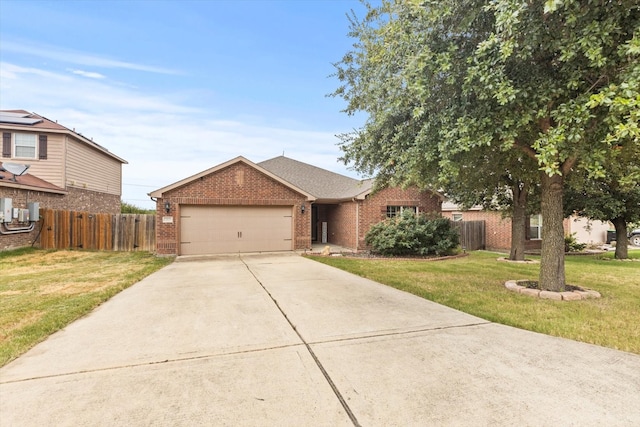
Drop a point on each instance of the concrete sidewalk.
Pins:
(281, 340)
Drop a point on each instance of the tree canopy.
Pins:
(614, 197)
(447, 81)
(133, 209)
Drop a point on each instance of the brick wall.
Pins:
(12, 241)
(497, 228)
(236, 185)
(374, 208)
(76, 200)
(90, 201)
(341, 224)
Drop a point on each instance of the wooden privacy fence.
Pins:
(84, 230)
(472, 234)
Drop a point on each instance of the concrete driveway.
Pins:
(280, 340)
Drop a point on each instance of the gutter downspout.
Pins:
(357, 222)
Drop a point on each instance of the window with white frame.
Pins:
(24, 145)
(535, 227)
(456, 217)
(394, 211)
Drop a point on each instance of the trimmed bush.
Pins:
(411, 234)
(572, 245)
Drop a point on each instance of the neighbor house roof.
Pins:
(323, 184)
(23, 120)
(27, 182)
(448, 205)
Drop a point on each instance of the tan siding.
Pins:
(51, 169)
(92, 170)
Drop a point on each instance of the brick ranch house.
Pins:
(498, 228)
(67, 171)
(280, 204)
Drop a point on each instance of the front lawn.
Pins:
(43, 291)
(475, 285)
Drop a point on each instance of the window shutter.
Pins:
(6, 144)
(42, 147)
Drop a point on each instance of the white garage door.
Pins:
(227, 229)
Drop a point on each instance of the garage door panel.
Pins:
(206, 230)
(225, 229)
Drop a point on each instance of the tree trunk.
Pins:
(518, 222)
(552, 277)
(622, 242)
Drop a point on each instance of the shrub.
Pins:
(411, 234)
(572, 245)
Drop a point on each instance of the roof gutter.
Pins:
(4, 183)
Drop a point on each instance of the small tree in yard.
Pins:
(503, 182)
(411, 234)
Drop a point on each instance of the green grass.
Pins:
(43, 291)
(475, 285)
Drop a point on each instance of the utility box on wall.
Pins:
(23, 215)
(34, 211)
(6, 211)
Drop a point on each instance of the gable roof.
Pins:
(23, 120)
(323, 184)
(239, 159)
(319, 185)
(27, 182)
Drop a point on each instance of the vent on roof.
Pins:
(18, 118)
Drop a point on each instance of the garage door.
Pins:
(226, 229)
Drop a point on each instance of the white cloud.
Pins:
(63, 90)
(88, 74)
(14, 72)
(161, 137)
(78, 58)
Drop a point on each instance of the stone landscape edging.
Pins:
(354, 255)
(576, 295)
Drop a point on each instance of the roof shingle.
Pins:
(323, 184)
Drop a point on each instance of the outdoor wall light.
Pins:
(302, 208)
(167, 206)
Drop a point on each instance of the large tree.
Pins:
(441, 79)
(614, 197)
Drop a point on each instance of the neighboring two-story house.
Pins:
(66, 171)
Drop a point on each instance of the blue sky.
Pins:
(177, 87)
